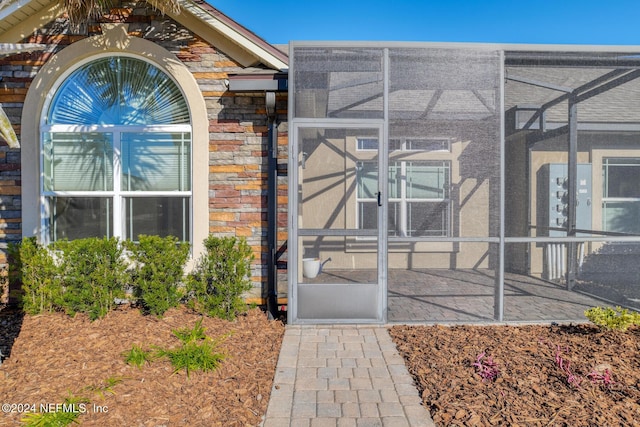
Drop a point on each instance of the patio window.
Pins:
(621, 195)
(116, 153)
(419, 203)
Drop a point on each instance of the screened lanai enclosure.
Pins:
(462, 183)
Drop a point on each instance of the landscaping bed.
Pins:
(55, 356)
(574, 375)
(535, 375)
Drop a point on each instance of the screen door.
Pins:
(337, 221)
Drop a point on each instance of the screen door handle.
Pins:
(379, 198)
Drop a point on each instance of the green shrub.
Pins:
(40, 276)
(221, 276)
(608, 318)
(94, 273)
(158, 271)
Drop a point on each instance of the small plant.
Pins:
(565, 367)
(197, 352)
(158, 272)
(106, 387)
(137, 356)
(187, 335)
(487, 368)
(220, 278)
(613, 319)
(63, 415)
(194, 356)
(601, 374)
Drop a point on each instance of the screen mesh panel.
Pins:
(426, 193)
(593, 99)
(338, 82)
(443, 106)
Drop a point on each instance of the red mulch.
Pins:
(546, 375)
(55, 355)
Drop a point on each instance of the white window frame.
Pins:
(605, 180)
(405, 145)
(44, 87)
(117, 195)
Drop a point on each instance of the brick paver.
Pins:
(343, 376)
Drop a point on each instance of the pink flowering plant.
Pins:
(486, 367)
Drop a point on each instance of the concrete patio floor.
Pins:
(467, 296)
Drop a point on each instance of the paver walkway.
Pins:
(343, 376)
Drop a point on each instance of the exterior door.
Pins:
(336, 264)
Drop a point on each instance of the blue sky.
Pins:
(493, 21)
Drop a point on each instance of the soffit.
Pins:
(20, 18)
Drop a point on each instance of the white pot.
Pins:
(310, 267)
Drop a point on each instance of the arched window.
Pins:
(116, 153)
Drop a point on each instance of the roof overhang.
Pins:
(20, 18)
(227, 35)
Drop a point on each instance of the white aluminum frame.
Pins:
(501, 239)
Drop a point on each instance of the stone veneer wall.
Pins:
(237, 133)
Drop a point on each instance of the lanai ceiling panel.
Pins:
(340, 82)
(439, 84)
(550, 76)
